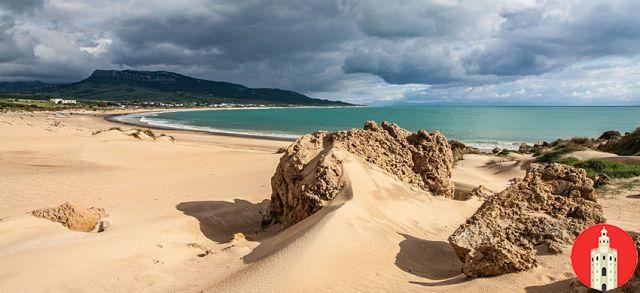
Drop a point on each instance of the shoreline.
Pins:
(113, 119)
(483, 146)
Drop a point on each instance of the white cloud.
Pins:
(101, 47)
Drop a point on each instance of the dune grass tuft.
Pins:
(554, 156)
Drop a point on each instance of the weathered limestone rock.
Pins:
(460, 149)
(73, 216)
(310, 170)
(627, 145)
(610, 135)
(548, 208)
(601, 180)
(525, 149)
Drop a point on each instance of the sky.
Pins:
(378, 52)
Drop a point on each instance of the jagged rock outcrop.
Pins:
(460, 149)
(525, 149)
(548, 208)
(610, 135)
(310, 170)
(627, 145)
(74, 216)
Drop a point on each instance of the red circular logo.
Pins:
(604, 257)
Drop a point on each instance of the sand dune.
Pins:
(382, 235)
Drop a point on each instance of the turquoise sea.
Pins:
(484, 127)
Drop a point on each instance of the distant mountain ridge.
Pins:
(164, 86)
(11, 86)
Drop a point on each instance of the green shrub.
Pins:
(612, 169)
(554, 156)
(505, 152)
(568, 161)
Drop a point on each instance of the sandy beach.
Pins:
(185, 216)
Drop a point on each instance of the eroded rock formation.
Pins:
(73, 216)
(460, 149)
(310, 170)
(546, 209)
(627, 145)
(525, 149)
(610, 135)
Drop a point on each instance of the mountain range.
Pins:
(158, 86)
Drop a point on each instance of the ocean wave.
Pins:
(172, 124)
(490, 145)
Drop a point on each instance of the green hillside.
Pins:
(162, 86)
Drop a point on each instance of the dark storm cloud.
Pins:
(429, 66)
(288, 43)
(259, 30)
(8, 47)
(419, 18)
(21, 5)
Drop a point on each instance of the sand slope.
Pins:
(149, 189)
(382, 235)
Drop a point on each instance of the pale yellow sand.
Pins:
(175, 207)
(591, 154)
(477, 170)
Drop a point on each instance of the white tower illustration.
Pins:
(604, 264)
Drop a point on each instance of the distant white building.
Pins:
(62, 101)
(604, 264)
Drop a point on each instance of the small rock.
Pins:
(496, 150)
(601, 180)
(73, 216)
(525, 149)
(610, 135)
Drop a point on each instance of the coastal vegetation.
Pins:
(627, 145)
(599, 166)
(559, 152)
(555, 155)
(28, 105)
